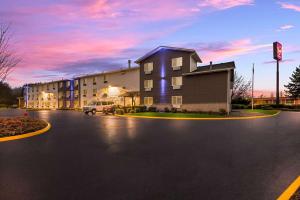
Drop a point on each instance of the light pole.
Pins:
(252, 87)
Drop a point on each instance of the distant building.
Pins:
(170, 77)
(272, 100)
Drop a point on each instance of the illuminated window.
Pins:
(148, 67)
(176, 101)
(148, 85)
(177, 82)
(148, 101)
(176, 63)
(84, 103)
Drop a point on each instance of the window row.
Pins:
(176, 65)
(176, 83)
(176, 101)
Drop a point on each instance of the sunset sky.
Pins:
(63, 38)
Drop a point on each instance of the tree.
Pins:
(293, 87)
(241, 90)
(8, 58)
(5, 94)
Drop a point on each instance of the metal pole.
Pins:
(277, 84)
(253, 87)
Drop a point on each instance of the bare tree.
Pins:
(8, 58)
(241, 87)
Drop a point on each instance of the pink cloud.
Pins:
(290, 6)
(222, 5)
(221, 51)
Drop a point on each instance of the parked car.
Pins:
(99, 106)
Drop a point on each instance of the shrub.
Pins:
(223, 111)
(152, 109)
(184, 110)
(137, 110)
(120, 111)
(132, 111)
(167, 109)
(174, 110)
(239, 106)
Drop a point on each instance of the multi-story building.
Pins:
(169, 77)
(41, 95)
(114, 86)
(110, 86)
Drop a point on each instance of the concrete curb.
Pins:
(204, 119)
(26, 135)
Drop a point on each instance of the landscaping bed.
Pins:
(20, 125)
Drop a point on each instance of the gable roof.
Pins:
(147, 55)
(212, 68)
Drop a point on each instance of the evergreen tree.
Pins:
(293, 87)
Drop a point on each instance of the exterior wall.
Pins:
(201, 92)
(42, 96)
(121, 81)
(162, 74)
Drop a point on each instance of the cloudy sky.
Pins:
(62, 38)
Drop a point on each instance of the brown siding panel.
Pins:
(205, 88)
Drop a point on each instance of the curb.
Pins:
(203, 119)
(26, 135)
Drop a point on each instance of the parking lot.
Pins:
(108, 157)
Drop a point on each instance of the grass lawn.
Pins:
(178, 115)
(265, 112)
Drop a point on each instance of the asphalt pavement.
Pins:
(114, 158)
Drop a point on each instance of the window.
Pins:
(84, 103)
(148, 85)
(84, 93)
(176, 101)
(148, 101)
(94, 81)
(53, 86)
(177, 82)
(148, 67)
(177, 63)
(104, 79)
(84, 82)
(94, 92)
(68, 83)
(47, 86)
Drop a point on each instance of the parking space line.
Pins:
(288, 193)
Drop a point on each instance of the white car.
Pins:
(98, 106)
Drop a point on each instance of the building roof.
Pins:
(147, 55)
(109, 72)
(212, 68)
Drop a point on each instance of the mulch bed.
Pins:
(19, 125)
(296, 196)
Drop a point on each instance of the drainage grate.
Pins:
(296, 195)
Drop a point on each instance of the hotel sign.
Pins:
(277, 51)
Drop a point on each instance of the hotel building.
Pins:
(167, 77)
(170, 77)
